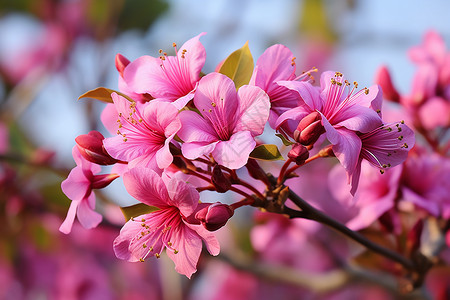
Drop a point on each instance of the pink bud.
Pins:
(214, 216)
(220, 181)
(298, 153)
(309, 129)
(91, 147)
(121, 63)
(102, 181)
(383, 78)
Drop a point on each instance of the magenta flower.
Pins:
(147, 235)
(425, 183)
(227, 123)
(168, 78)
(376, 194)
(275, 64)
(78, 187)
(144, 133)
(384, 147)
(344, 112)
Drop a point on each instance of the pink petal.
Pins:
(195, 129)
(276, 63)
(86, 215)
(183, 195)
(76, 186)
(296, 114)
(66, 226)
(194, 150)
(163, 156)
(189, 246)
(309, 93)
(435, 112)
(146, 186)
(346, 145)
(254, 109)
(195, 57)
(357, 118)
(163, 116)
(211, 242)
(109, 118)
(217, 101)
(411, 196)
(121, 244)
(235, 152)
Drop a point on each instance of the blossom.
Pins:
(78, 187)
(384, 147)
(344, 112)
(425, 183)
(275, 64)
(147, 235)
(168, 78)
(144, 132)
(227, 123)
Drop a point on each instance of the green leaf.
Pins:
(285, 141)
(103, 94)
(266, 152)
(239, 66)
(137, 210)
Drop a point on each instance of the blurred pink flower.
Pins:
(168, 78)
(425, 183)
(144, 133)
(4, 139)
(78, 187)
(227, 123)
(375, 196)
(147, 235)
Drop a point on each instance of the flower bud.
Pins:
(102, 181)
(298, 153)
(214, 216)
(121, 63)
(255, 170)
(91, 148)
(309, 129)
(383, 78)
(220, 181)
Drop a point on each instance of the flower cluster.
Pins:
(169, 120)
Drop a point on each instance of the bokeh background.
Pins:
(52, 51)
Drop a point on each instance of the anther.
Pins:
(381, 171)
(366, 91)
(141, 260)
(400, 138)
(157, 255)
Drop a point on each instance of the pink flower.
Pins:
(375, 196)
(227, 123)
(147, 235)
(425, 183)
(78, 187)
(168, 78)
(384, 147)
(275, 64)
(144, 132)
(344, 113)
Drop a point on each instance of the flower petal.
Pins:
(254, 110)
(146, 186)
(195, 129)
(309, 93)
(235, 152)
(189, 246)
(86, 214)
(183, 195)
(194, 150)
(66, 226)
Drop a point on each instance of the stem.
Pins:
(250, 187)
(289, 171)
(283, 171)
(316, 215)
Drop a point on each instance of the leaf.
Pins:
(285, 141)
(266, 152)
(103, 94)
(137, 210)
(239, 66)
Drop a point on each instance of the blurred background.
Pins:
(52, 51)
